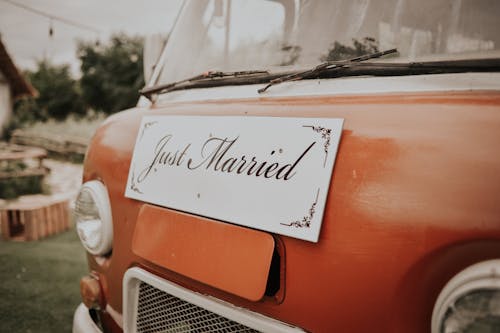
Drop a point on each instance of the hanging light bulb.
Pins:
(51, 29)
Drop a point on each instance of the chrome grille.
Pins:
(159, 311)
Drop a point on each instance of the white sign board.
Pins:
(265, 173)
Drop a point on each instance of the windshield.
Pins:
(279, 35)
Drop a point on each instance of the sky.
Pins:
(26, 35)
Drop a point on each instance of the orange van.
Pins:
(302, 166)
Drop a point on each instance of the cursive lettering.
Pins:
(216, 154)
(163, 157)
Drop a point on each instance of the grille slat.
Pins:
(159, 311)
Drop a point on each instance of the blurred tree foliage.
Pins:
(111, 74)
(340, 51)
(58, 97)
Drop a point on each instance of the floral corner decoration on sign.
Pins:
(305, 222)
(133, 185)
(325, 134)
(146, 126)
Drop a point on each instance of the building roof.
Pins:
(19, 85)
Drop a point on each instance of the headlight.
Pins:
(470, 301)
(94, 224)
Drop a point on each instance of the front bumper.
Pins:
(82, 322)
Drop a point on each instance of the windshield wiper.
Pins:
(148, 92)
(352, 67)
(255, 76)
(325, 66)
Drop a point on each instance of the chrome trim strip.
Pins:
(134, 276)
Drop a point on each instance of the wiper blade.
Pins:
(325, 66)
(352, 67)
(148, 92)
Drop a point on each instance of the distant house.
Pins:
(12, 85)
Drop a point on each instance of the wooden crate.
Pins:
(27, 221)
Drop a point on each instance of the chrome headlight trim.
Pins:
(102, 227)
(481, 276)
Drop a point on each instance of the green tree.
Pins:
(111, 74)
(58, 95)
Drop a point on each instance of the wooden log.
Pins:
(35, 225)
(55, 218)
(64, 218)
(53, 212)
(59, 221)
(68, 217)
(64, 222)
(22, 225)
(50, 224)
(50, 220)
(13, 221)
(28, 225)
(5, 224)
(43, 222)
(16, 227)
(58, 217)
(40, 216)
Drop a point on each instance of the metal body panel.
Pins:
(207, 251)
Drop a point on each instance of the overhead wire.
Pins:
(53, 17)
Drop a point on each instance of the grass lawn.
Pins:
(39, 283)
